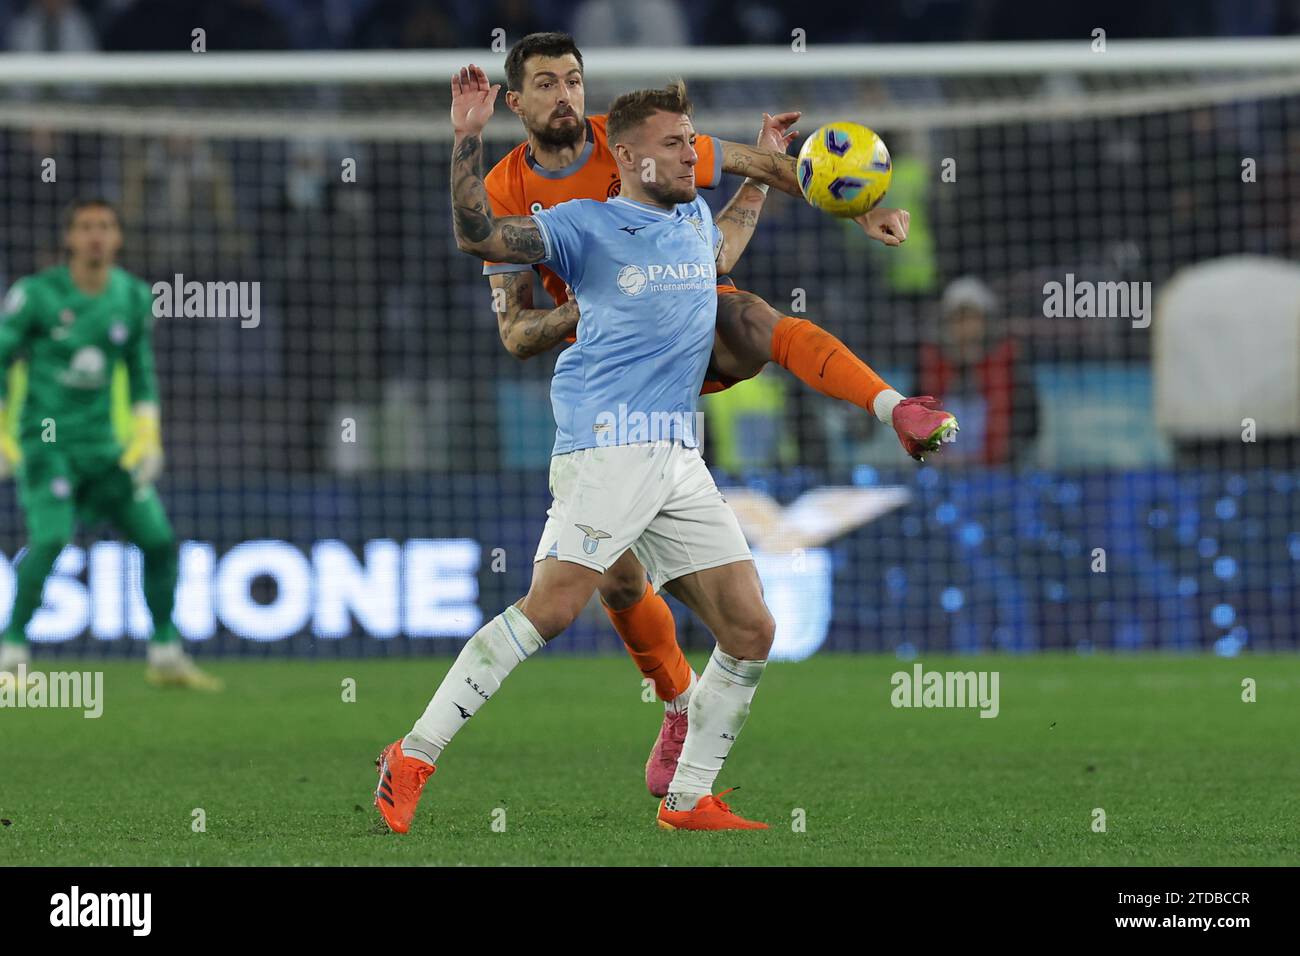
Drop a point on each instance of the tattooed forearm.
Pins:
(472, 224)
(779, 170)
(745, 218)
(737, 222)
(538, 331)
(470, 150)
(507, 239)
(526, 331)
(471, 214)
(524, 239)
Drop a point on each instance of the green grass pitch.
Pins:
(1186, 772)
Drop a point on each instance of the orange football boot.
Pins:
(401, 781)
(711, 813)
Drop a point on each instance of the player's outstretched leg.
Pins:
(750, 333)
(558, 593)
(139, 514)
(729, 600)
(645, 623)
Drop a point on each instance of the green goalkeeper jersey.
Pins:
(73, 344)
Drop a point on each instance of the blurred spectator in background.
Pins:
(317, 24)
(606, 23)
(517, 18)
(407, 24)
(912, 269)
(244, 25)
(747, 427)
(178, 204)
(52, 26)
(151, 26)
(33, 210)
(977, 372)
(741, 22)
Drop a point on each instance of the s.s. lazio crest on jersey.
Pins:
(644, 279)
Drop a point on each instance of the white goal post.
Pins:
(898, 60)
(1039, 83)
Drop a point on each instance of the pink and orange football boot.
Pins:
(661, 766)
(923, 426)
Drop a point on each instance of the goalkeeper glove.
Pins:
(11, 455)
(143, 457)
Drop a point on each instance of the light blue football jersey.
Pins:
(644, 279)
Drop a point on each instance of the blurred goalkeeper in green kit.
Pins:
(74, 325)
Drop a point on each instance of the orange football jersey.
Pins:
(517, 186)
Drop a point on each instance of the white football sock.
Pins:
(13, 653)
(719, 705)
(883, 405)
(165, 654)
(680, 703)
(500, 644)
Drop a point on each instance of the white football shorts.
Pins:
(657, 499)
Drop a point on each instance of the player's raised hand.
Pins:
(886, 225)
(776, 133)
(472, 100)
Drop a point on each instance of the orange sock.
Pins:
(824, 362)
(651, 637)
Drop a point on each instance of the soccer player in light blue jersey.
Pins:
(626, 470)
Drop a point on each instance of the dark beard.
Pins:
(558, 138)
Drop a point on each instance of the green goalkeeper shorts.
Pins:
(57, 483)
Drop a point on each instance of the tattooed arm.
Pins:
(526, 331)
(737, 222)
(739, 218)
(511, 238)
(508, 239)
(765, 165)
(768, 165)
